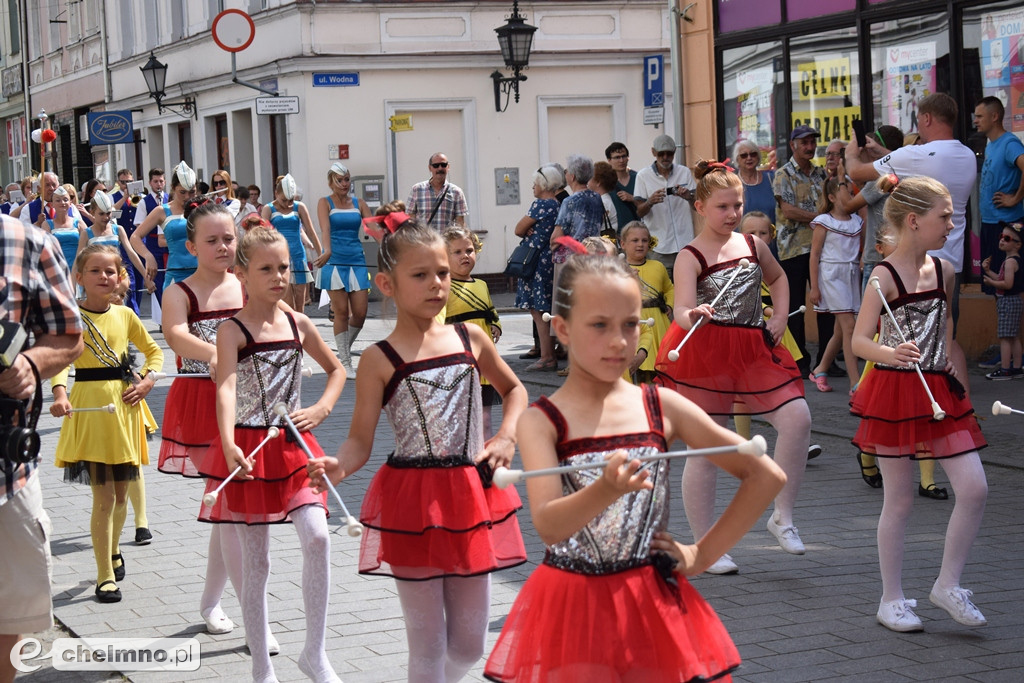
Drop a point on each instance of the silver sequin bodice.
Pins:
(741, 302)
(204, 326)
(923, 320)
(435, 409)
(267, 373)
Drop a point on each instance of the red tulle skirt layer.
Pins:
(279, 485)
(896, 417)
(190, 426)
(631, 625)
(726, 364)
(425, 523)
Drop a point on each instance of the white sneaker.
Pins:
(957, 601)
(897, 615)
(787, 536)
(723, 565)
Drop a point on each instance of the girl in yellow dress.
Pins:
(98, 448)
(655, 286)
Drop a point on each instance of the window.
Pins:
(909, 60)
(15, 24)
(278, 145)
(127, 33)
(185, 143)
(220, 124)
(825, 84)
(752, 86)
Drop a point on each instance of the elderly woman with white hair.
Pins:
(758, 194)
(535, 228)
(343, 273)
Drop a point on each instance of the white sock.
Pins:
(311, 525)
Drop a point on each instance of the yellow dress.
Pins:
(470, 301)
(787, 342)
(101, 437)
(655, 288)
(645, 342)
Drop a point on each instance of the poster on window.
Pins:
(1002, 62)
(909, 77)
(754, 89)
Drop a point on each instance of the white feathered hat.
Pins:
(186, 176)
(102, 202)
(288, 186)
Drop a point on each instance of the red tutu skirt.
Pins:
(190, 426)
(279, 485)
(426, 523)
(896, 417)
(725, 364)
(628, 625)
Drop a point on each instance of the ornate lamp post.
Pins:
(515, 39)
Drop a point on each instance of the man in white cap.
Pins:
(668, 191)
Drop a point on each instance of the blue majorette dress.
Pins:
(268, 373)
(896, 418)
(427, 512)
(731, 358)
(601, 607)
(346, 268)
(180, 262)
(290, 225)
(190, 411)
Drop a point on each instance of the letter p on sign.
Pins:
(654, 81)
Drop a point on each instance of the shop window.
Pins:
(825, 85)
(909, 61)
(752, 86)
(993, 60)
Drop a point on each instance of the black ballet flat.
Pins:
(872, 480)
(108, 596)
(118, 571)
(933, 492)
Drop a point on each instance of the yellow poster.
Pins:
(825, 78)
(832, 124)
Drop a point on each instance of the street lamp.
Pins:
(155, 73)
(515, 39)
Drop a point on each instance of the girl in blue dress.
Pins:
(291, 218)
(343, 274)
(105, 230)
(64, 227)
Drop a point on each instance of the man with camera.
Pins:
(41, 334)
(668, 188)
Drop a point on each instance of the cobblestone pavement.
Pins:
(808, 618)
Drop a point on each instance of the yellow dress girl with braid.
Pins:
(656, 289)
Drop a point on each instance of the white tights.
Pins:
(970, 488)
(311, 526)
(445, 625)
(223, 562)
(792, 423)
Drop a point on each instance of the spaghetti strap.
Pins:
(938, 273)
(900, 288)
(193, 301)
(463, 333)
(699, 256)
(330, 203)
(556, 417)
(295, 329)
(753, 247)
(248, 337)
(390, 352)
(652, 404)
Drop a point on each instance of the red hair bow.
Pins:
(389, 223)
(571, 244)
(723, 164)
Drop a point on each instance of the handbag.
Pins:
(523, 261)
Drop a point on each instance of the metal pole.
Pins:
(394, 164)
(679, 99)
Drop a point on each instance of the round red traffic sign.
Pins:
(233, 30)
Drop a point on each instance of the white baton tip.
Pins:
(307, 371)
(874, 282)
(273, 432)
(937, 412)
(546, 317)
(673, 355)
(647, 321)
(281, 409)
(158, 375)
(503, 477)
(756, 446)
(110, 408)
(353, 526)
(210, 499)
(802, 308)
(744, 263)
(997, 408)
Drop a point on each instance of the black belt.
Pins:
(100, 374)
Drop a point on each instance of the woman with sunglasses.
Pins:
(758, 194)
(223, 191)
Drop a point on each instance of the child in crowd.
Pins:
(469, 300)
(98, 448)
(1008, 283)
(433, 520)
(259, 364)
(193, 310)
(735, 357)
(610, 601)
(656, 288)
(897, 425)
(836, 246)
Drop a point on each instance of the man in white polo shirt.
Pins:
(668, 191)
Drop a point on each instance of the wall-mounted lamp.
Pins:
(515, 39)
(155, 73)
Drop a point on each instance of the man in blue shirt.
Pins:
(1002, 179)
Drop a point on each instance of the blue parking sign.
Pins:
(654, 81)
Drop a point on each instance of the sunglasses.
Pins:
(747, 155)
(218, 183)
(440, 164)
(1007, 238)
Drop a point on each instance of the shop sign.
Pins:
(834, 123)
(825, 78)
(110, 127)
(12, 83)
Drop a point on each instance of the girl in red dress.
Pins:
(610, 601)
(433, 521)
(259, 364)
(897, 425)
